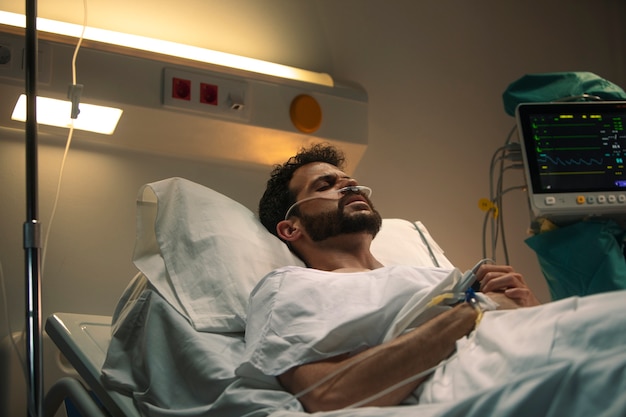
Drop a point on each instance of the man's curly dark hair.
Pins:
(277, 197)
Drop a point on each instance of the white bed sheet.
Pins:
(574, 389)
(163, 363)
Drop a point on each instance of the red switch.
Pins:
(181, 89)
(208, 94)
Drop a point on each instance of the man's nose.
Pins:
(348, 182)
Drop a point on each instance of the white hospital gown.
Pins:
(298, 315)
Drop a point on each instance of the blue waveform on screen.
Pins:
(570, 162)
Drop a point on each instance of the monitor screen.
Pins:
(574, 156)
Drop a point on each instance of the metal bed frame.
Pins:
(83, 339)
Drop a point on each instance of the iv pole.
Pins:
(32, 245)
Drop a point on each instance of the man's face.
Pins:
(330, 213)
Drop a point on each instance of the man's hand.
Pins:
(507, 287)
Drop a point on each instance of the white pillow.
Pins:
(204, 252)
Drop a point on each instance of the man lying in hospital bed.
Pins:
(331, 333)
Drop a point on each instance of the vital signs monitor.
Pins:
(574, 158)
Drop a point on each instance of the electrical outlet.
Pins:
(209, 94)
(205, 92)
(181, 89)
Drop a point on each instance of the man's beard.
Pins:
(334, 223)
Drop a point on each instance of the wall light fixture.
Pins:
(170, 48)
(53, 112)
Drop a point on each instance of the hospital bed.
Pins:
(176, 336)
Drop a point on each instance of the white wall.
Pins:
(89, 259)
(434, 72)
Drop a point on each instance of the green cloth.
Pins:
(581, 259)
(540, 88)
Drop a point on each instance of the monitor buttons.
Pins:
(601, 199)
(581, 199)
(611, 199)
(550, 200)
(621, 198)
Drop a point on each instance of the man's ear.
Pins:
(288, 231)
